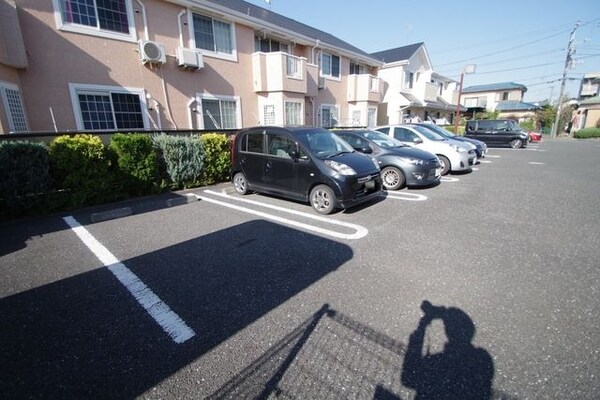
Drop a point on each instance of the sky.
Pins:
(522, 41)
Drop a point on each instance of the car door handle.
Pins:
(268, 165)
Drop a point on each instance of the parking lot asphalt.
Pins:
(282, 302)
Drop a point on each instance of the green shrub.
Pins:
(181, 157)
(528, 125)
(24, 177)
(137, 163)
(587, 133)
(81, 164)
(217, 158)
(461, 129)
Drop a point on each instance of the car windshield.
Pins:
(323, 143)
(428, 133)
(382, 140)
(441, 131)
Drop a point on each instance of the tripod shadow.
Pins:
(460, 371)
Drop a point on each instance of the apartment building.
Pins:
(412, 90)
(76, 65)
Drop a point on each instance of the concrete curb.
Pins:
(130, 210)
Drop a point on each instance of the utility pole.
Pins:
(568, 63)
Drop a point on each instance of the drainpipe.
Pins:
(317, 43)
(180, 28)
(192, 111)
(146, 37)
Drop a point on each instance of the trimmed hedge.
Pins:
(181, 157)
(587, 133)
(137, 163)
(24, 177)
(217, 158)
(82, 165)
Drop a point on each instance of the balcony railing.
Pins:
(364, 87)
(279, 72)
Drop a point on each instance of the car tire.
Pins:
(393, 178)
(240, 183)
(322, 199)
(516, 143)
(445, 164)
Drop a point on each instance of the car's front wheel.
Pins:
(516, 143)
(445, 164)
(322, 199)
(240, 183)
(393, 178)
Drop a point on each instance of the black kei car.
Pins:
(497, 132)
(305, 164)
(400, 164)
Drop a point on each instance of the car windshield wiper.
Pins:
(337, 153)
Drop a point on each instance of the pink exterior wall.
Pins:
(57, 58)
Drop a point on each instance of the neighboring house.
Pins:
(413, 92)
(517, 110)
(175, 64)
(587, 114)
(487, 97)
(590, 86)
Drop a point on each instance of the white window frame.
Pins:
(371, 116)
(330, 107)
(238, 108)
(63, 25)
(409, 83)
(12, 126)
(80, 88)
(300, 112)
(215, 54)
(293, 66)
(328, 74)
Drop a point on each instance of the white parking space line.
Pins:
(485, 161)
(360, 231)
(474, 169)
(492, 156)
(535, 163)
(168, 320)
(406, 196)
(448, 179)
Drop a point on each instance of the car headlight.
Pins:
(459, 149)
(412, 161)
(341, 168)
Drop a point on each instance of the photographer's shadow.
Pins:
(460, 371)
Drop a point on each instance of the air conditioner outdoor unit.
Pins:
(321, 83)
(152, 52)
(189, 58)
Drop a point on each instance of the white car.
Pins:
(453, 155)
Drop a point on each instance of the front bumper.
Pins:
(360, 189)
(422, 175)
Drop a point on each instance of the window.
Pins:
(293, 113)
(330, 65)
(371, 116)
(408, 79)
(220, 113)
(294, 67)
(357, 69)
(13, 106)
(356, 117)
(374, 84)
(269, 114)
(213, 35)
(253, 142)
(108, 18)
(108, 108)
(267, 45)
(505, 96)
(280, 145)
(329, 116)
(471, 102)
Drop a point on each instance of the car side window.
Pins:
(384, 130)
(280, 145)
(253, 142)
(400, 134)
(485, 126)
(354, 141)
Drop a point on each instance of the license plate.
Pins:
(370, 185)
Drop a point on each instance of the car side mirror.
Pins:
(295, 154)
(417, 140)
(366, 150)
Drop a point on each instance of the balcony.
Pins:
(589, 89)
(432, 91)
(280, 72)
(364, 87)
